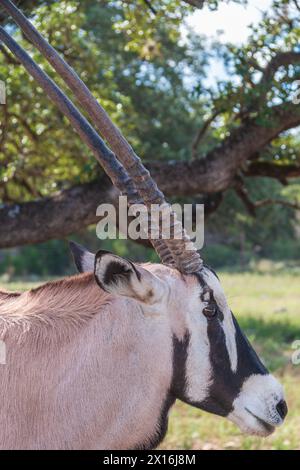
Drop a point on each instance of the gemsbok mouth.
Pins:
(267, 427)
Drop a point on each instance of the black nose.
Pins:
(282, 409)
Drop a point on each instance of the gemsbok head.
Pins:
(130, 338)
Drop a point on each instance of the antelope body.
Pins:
(77, 373)
(89, 368)
(96, 361)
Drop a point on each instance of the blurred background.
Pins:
(208, 94)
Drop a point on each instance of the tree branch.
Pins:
(261, 89)
(22, 181)
(297, 5)
(54, 217)
(10, 59)
(279, 60)
(75, 208)
(29, 132)
(273, 170)
(251, 206)
(151, 8)
(242, 193)
(282, 202)
(216, 171)
(202, 131)
(195, 3)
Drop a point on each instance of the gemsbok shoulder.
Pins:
(96, 360)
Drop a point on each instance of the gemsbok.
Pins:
(96, 360)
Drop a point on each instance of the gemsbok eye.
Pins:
(210, 311)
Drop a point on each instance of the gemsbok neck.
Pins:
(58, 304)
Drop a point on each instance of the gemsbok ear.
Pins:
(83, 259)
(120, 276)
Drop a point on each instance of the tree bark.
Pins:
(54, 217)
(75, 208)
(273, 170)
(216, 171)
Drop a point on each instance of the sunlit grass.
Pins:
(268, 309)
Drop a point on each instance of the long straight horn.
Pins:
(111, 165)
(179, 251)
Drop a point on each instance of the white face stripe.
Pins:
(230, 339)
(199, 373)
(227, 323)
(198, 368)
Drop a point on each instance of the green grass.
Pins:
(268, 309)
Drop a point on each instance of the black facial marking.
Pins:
(220, 314)
(177, 390)
(223, 389)
(207, 296)
(162, 427)
(248, 361)
(210, 311)
(180, 354)
(211, 270)
(225, 383)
